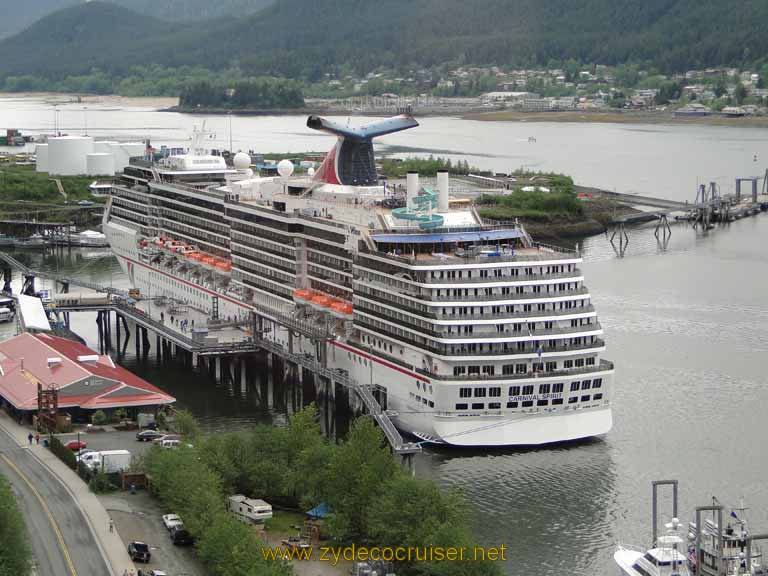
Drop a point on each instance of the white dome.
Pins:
(311, 172)
(285, 168)
(241, 161)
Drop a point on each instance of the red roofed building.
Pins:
(86, 381)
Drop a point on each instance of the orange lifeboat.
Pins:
(302, 294)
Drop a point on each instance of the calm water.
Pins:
(686, 324)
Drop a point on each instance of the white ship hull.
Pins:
(492, 428)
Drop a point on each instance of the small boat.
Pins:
(34, 241)
(667, 556)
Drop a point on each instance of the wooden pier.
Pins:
(243, 337)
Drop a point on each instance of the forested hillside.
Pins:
(303, 39)
(22, 14)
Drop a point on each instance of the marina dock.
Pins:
(203, 343)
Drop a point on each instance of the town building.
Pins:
(85, 381)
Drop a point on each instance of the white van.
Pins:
(170, 443)
(6, 315)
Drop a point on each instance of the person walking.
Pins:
(111, 525)
(30, 438)
(37, 438)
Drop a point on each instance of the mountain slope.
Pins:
(302, 38)
(23, 14)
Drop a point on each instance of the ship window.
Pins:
(573, 400)
(597, 397)
(591, 361)
(575, 386)
(478, 406)
(418, 398)
(585, 398)
(542, 402)
(527, 390)
(480, 392)
(597, 383)
(465, 392)
(424, 401)
(527, 403)
(521, 368)
(507, 369)
(557, 401)
(431, 404)
(494, 392)
(461, 406)
(557, 388)
(544, 389)
(514, 390)
(586, 384)
(511, 404)
(494, 406)
(568, 364)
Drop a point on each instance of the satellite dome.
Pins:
(311, 172)
(241, 161)
(285, 168)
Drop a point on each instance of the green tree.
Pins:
(99, 418)
(186, 424)
(740, 93)
(15, 554)
(359, 469)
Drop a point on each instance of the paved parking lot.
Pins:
(139, 516)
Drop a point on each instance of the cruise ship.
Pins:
(479, 335)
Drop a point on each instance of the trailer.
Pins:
(108, 461)
(249, 510)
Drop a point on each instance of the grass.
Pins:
(282, 523)
(24, 183)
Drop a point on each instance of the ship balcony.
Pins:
(459, 352)
(524, 335)
(537, 253)
(462, 300)
(426, 282)
(600, 367)
(521, 316)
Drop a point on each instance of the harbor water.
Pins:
(686, 323)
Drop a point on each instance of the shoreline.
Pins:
(617, 117)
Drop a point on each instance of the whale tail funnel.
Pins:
(351, 161)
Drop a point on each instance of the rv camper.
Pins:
(249, 510)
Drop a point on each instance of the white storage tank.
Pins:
(67, 155)
(104, 146)
(124, 151)
(100, 164)
(41, 151)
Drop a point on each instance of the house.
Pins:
(84, 380)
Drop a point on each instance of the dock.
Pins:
(205, 343)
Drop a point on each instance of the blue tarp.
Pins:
(319, 511)
(447, 237)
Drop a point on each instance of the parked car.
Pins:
(76, 444)
(83, 452)
(139, 552)
(171, 520)
(157, 573)
(166, 437)
(170, 443)
(181, 537)
(148, 435)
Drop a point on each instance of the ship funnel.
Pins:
(412, 188)
(351, 162)
(443, 187)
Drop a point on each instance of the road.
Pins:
(61, 541)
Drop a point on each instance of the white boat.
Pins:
(480, 336)
(34, 241)
(737, 557)
(667, 556)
